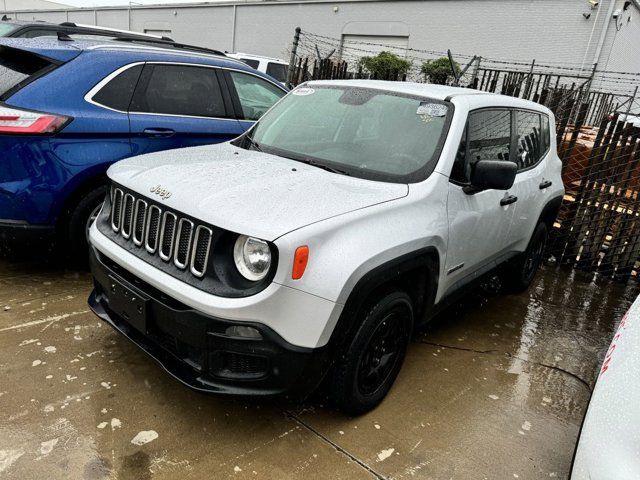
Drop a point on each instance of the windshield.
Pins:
(361, 132)
(6, 28)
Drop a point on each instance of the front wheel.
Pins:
(518, 274)
(366, 371)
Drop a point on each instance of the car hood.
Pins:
(248, 192)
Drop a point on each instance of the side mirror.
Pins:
(493, 174)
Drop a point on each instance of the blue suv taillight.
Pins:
(24, 122)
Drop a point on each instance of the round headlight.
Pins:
(252, 257)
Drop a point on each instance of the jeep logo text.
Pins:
(163, 193)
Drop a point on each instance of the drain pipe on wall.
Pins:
(233, 30)
(593, 30)
(605, 29)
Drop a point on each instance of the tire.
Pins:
(80, 219)
(371, 361)
(518, 274)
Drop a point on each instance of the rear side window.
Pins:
(118, 92)
(17, 68)
(179, 90)
(252, 63)
(277, 71)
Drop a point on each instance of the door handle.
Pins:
(508, 200)
(158, 132)
(545, 184)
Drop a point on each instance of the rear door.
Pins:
(252, 95)
(177, 105)
(479, 222)
(532, 147)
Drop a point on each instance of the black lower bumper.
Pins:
(196, 349)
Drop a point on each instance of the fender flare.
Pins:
(417, 272)
(550, 211)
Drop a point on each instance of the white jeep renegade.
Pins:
(316, 243)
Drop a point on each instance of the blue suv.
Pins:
(70, 108)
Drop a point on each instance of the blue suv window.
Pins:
(179, 90)
(118, 92)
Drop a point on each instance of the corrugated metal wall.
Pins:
(547, 30)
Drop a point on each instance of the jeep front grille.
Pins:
(164, 233)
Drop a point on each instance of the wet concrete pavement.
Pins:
(495, 388)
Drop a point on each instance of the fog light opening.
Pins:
(240, 331)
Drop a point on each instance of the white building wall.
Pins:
(547, 30)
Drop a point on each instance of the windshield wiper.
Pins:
(313, 163)
(253, 143)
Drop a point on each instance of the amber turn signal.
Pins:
(300, 260)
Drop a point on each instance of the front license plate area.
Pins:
(128, 303)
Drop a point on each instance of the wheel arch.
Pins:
(75, 192)
(416, 273)
(550, 212)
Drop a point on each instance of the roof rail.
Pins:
(169, 44)
(113, 31)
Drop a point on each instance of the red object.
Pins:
(23, 122)
(300, 260)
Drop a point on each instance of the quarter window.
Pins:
(255, 94)
(118, 92)
(528, 139)
(546, 140)
(179, 90)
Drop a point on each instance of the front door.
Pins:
(479, 223)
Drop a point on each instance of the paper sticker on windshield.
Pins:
(303, 91)
(431, 109)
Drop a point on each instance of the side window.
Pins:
(179, 90)
(487, 136)
(255, 94)
(251, 62)
(277, 71)
(118, 92)
(528, 139)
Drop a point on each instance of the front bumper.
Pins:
(194, 348)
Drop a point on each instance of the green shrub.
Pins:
(385, 66)
(439, 71)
